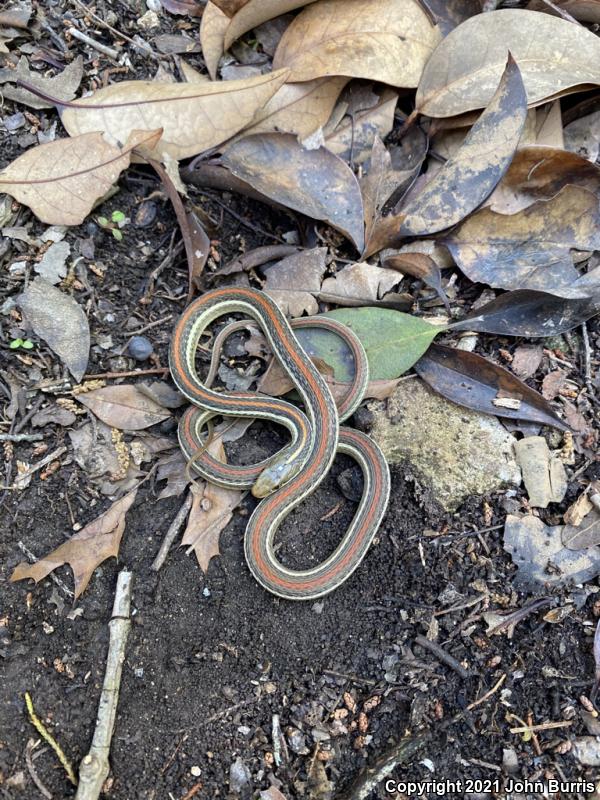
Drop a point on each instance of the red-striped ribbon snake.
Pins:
(290, 476)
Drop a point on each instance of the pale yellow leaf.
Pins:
(255, 12)
(382, 40)
(299, 108)
(194, 117)
(60, 181)
(555, 57)
(212, 35)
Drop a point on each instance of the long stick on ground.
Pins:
(94, 768)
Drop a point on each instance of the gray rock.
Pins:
(140, 348)
(455, 451)
(239, 776)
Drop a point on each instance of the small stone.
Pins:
(14, 122)
(206, 591)
(239, 776)
(153, 5)
(140, 348)
(195, 771)
(148, 21)
(456, 451)
(296, 741)
(145, 214)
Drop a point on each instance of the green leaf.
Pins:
(15, 344)
(394, 341)
(27, 344)
(118, 216)
(102, 221)
(117, 234)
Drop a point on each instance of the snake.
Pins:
(283, 481)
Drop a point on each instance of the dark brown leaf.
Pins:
(472, 381)
(467, 178)
(448, 14)
(526, 312)
(420, 266)
(315, 182)
(531, 249)
(539, 173)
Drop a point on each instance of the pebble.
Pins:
(14, 122)
(239, 776)
(140, 348)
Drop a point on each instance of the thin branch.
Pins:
(94, 767)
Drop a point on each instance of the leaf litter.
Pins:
(505, 198)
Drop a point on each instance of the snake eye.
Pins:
(273, 477)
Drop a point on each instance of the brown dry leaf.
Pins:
(467, 178)
(420, 266)
(353, 138)
(212, 509)
(586, 534)
(554, 382)
(539, 173)
(230, 7)
(194, 116)
(62, 86)
(255, 12)
(124, 407)
(582, 136)
(555, 58)
(382, 40)
(212, 37)
(85, 550)
(300, 108)
(293, 281)
(379, 184)
(60, 181)
(531, 249)
(60, 321)
(315, 182)
(526, 360)
(578, 510)
(359, 284)
(582, 10)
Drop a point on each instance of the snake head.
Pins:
(274, 476)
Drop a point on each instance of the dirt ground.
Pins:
(214, 662)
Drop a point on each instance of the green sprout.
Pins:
(26, 344)
(114, 225)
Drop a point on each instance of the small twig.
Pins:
(31, 744)
(47, 737)
(151, 325)
(22, 422)
(119, 34)
(94, 767)
(520, 614)
(32, 557)
(172, 532)
(543, 726)
(107, 376)
(443, 656)
(277, 737)
(193, 791)
(487, 695)
(587, 355)
(46, 460)
(348, 677)
(20, 437)
(101, 48)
